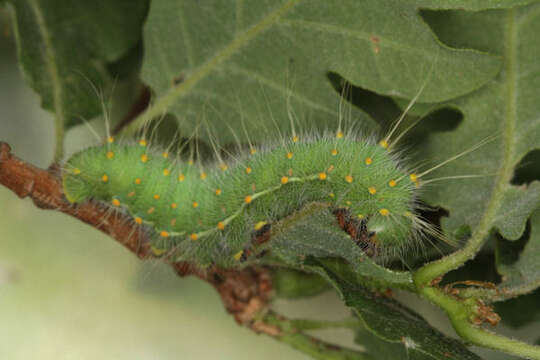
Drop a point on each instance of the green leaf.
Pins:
(409, 335)
(247, 66)
(64, 47)
(384, 350)
(313, 232)
(506, 109)
(519, 203)
(518, 265)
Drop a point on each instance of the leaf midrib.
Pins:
(481, 231)
(164, 102)
(507, 168)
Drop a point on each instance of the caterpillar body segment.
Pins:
(207, 212)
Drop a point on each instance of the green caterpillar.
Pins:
(209, 216)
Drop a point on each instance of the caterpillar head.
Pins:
(385, 233)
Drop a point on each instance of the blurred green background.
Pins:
(69, 292)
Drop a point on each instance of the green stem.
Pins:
(459, 314)
(291, 334)
(432, 270)
(500, 294)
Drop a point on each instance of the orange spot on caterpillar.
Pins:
(220, 225)
(181, 178)
(131, 194)
(193, 236)
(142, 142)
(151, 210)
(138, 220)
(116, 202)
(392, 183)
(195, 204)
(76, 171)
(156, 196)
(349, 179)
(110, 139)
(218, 192)
(322, 176)
(289, 155)
(384, 144)
(110, 155)
(339, 134)
(165, 155)
(138, 181)
(372, 190)
(166, 172)
(368, 161)
(203, 175)
(174, 206)
(384, 212)
(105, 178)
(248, 170)
(414, 179)
(144, 158)
(238, 255)
(164, 234)
(334, 152)
(284, 180)
(248, 199)
(223, 166)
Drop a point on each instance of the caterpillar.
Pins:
(208, 213)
